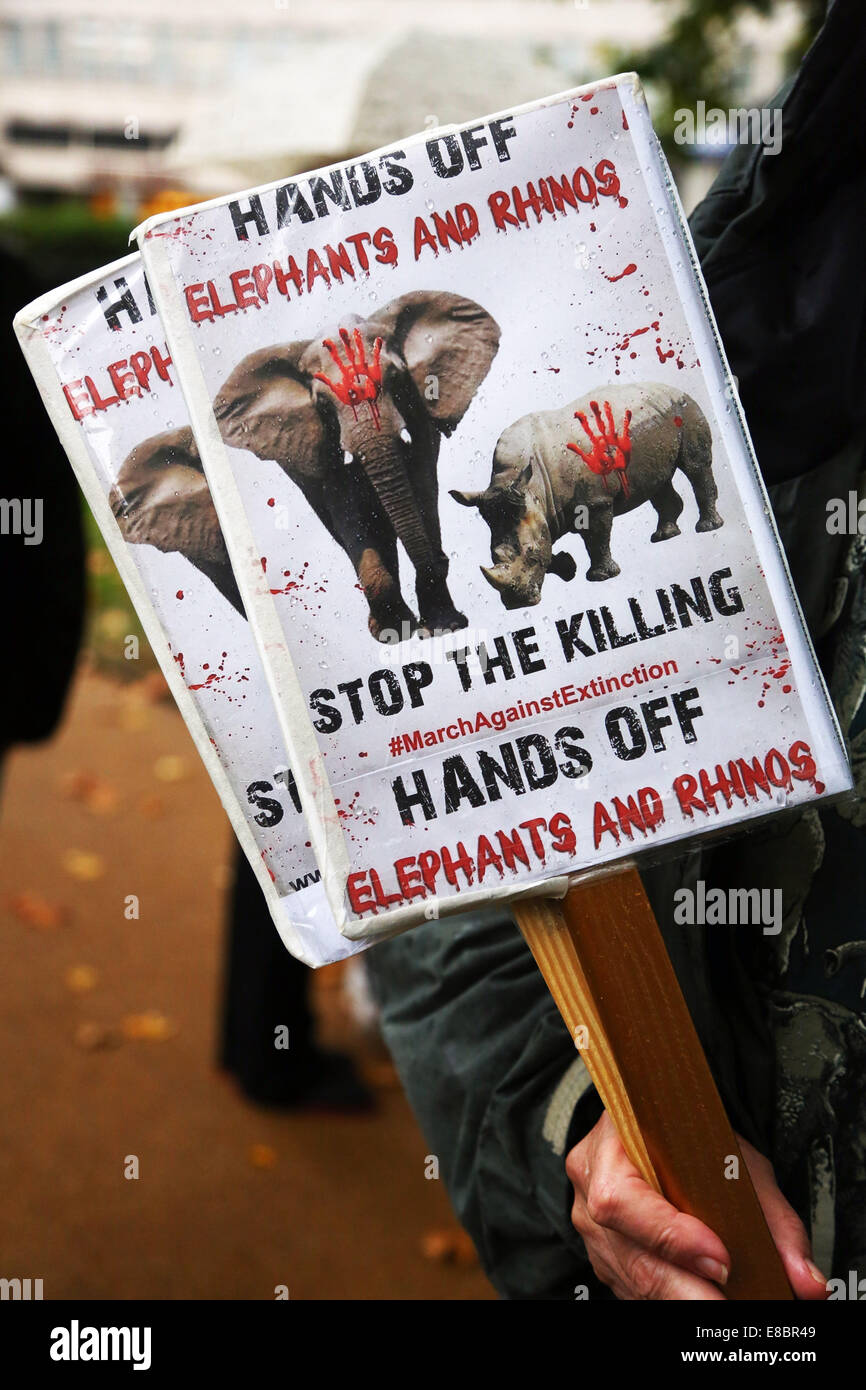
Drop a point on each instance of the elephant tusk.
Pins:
(405, 435)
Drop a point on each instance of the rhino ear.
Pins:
(521, 481)
(466, 499)
(563, 566)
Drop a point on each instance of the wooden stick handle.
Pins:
(605, 963)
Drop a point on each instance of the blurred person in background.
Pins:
(41, 573)
(265, 987)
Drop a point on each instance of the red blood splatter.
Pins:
(629, 270)
(264, 563)
(623, 202)
(268, 867)
(610, 451)
(360, 381)
(593, 111)
(300, 584)
(624, 121)
(678, 420)
(179, 593)
(272, 501)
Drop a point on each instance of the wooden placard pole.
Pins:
(604, 961)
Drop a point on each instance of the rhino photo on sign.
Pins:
(416, 410)
(545, 485)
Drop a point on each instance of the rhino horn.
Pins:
(466, 499)
(499, 576)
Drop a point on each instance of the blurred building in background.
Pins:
(125, 103)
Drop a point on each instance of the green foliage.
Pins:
(700, 58)
(110, 614)
(62, 238)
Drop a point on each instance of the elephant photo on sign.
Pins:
(355, 417)
(161, 498)
(577, 468)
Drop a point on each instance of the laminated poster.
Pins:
(492, 509)
(99, 356)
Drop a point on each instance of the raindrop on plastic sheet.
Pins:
(217, 352)
(429, 204)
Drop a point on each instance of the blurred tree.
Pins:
(699, 57)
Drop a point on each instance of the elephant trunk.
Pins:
(384, 458)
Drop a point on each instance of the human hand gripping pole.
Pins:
(604, 961)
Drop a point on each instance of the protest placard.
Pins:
(492, 507)
(98, 354)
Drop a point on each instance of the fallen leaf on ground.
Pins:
(113, 622)
(83, 865)
(99, 562)
(150, 1026)
(262, 1156)
(92, 1037)
(153, 688)
(132, 718)
(94, 792)
(171, 768)
(77, 785)
(81, 979)
(449, 1245)
(102, 800)
(37, 911)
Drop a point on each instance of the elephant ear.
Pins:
(161, 498)
(266, 406)
(448, 344)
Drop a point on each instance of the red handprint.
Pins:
(610, 451)
(360, 380)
